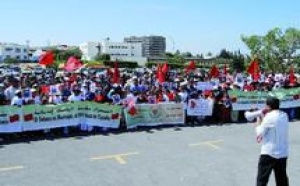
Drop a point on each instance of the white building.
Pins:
(13, 51)
(117, 50)
(89, 50)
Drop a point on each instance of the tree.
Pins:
(65, 54)
(187, 54)
(169, 55)
(277, 49)
(209, 54)
(225, 54)
(11, 61)
(102, 57)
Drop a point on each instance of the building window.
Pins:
(132, 54)
(24, 50)
(17, 50)
(17, 57)
(8, 49)
(8, 57)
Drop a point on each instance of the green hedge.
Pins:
(175, 65)
(122, 64)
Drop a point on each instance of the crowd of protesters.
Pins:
(142, 87)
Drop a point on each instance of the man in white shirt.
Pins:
(17, 99)
(272, 132)
(10, 91)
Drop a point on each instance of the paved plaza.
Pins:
(224, 155)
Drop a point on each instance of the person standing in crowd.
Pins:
(17, 100)
(10, 91)
(272, 132)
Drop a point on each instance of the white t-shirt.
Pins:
(56, 100)
(274, 133)
(17, 101)
(37, 100)
(75, 98)
(10, 92)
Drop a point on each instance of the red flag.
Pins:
(225, 70)
(160, 75)
(292, 78)
(14, 118)
(116, 74)
(132, 111)
(115, 116)
(190, 67)
(214, 72)
(165, 68)
(47, 58)
(253, 69)
(131, 108)
(72, 64)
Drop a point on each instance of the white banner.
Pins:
(204, 86)
(155, 115)
(200, 107)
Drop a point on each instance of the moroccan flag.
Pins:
(292, 78)
(160, 75)
(132, 111)
(253, 69)
(28, 117)
(190, 67)
(115, 116)
(131, 108)
(72, 64)
(14, 118)
(165, 68)
(46, 58)
(214, 72)
(116, 74)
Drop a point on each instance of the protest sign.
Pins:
(200, 107)
(204, 86)
(155, 114)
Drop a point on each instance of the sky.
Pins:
(198, 26)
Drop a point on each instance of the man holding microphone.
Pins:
(272, 133)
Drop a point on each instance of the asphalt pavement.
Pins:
(224, 155)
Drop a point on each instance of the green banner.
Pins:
(259, 95)
(39, 117)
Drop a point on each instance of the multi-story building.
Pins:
(89, 50)
(117, 50)
(13, 51)
(152, 46)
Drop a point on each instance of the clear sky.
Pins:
(198, 26)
